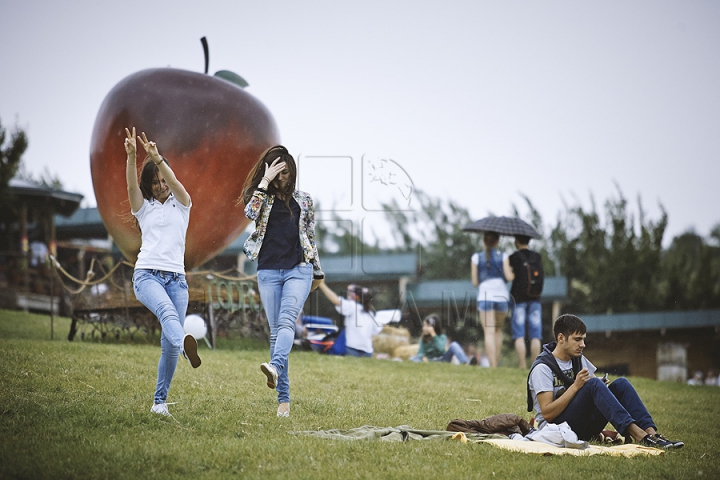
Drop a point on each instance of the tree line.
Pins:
(613, 259)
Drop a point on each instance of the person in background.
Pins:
(360, 325)
(39, 253)
(527, 308)
(488, 274)
(434, 344)
(161, 207)
(696, 379)
(283, 243)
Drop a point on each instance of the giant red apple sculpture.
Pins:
(210, 130)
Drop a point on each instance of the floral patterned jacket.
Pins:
(258, 210)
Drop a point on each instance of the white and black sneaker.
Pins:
(675, 443)
(658, 441)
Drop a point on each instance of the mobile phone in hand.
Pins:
(605, 378)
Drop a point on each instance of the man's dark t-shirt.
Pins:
(519, 285)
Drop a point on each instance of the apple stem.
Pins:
(204, 42)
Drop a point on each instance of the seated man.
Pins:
(562, 387)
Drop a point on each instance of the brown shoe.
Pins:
(190, 351)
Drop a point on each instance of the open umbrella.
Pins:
(503, 226)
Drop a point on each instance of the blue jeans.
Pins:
(453, 350)
(165, 294)
(523, 312)
(596, 404)
(354, 352)
(283, 294)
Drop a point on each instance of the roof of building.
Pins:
(355, 268)
(60, 201)
(651, 321)
(84, 223)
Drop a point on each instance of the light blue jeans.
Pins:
(354, 352)
(283, 294)
(166, 295)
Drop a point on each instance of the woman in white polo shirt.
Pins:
(360, 324)
(161, 207)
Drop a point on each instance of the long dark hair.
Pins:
(490, 239)
(148, 174)
(363, 295)
(256, 174)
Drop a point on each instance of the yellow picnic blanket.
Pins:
(539, 448)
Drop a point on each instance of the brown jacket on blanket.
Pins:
(503, 423)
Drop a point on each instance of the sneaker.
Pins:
(161, 409)
(283, 410)
(271, 374)
(190, 351)
(676, 443)
(657, 441)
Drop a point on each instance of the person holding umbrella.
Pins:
(488, 274)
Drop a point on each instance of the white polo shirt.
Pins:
(163, 227)
(360, 326)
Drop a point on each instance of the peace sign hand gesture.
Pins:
(130, 145)
(150, 148)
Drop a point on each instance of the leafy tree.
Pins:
(11, 151)
(338, 236)
(692, 273)
(610, 267)
(435, 229)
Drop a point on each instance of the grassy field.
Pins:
(81, 410)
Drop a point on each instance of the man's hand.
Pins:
(582, 377)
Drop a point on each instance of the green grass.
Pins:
(81, 409)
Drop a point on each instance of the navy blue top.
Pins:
(281, 248)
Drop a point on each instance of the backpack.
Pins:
(530, 274)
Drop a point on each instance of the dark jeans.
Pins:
(597, 404)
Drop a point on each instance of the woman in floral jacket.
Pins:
(288, 265)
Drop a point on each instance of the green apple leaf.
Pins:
(232, 77)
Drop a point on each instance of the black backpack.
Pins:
(530, 274)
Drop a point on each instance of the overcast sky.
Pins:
(476, 101)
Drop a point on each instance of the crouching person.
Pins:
(562, 387)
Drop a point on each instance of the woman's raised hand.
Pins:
(150, 148)
(271, 171)
(130, 145)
